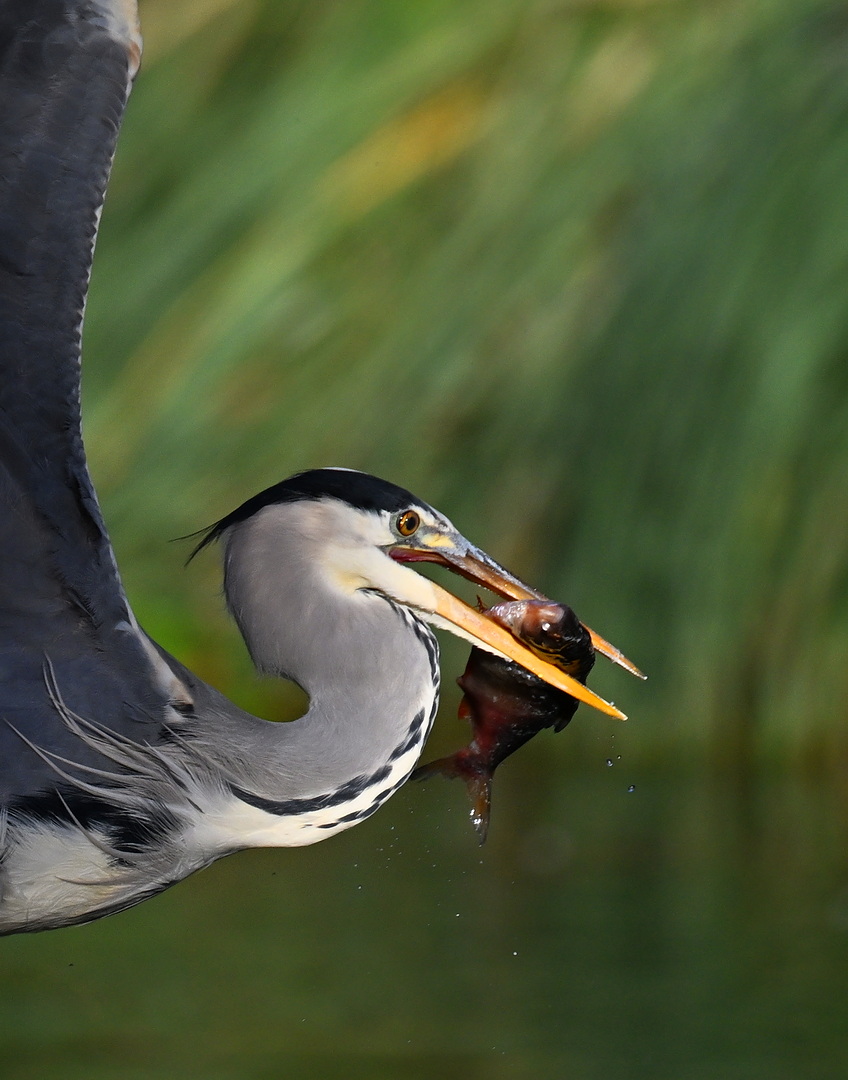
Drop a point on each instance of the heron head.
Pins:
(362, 535)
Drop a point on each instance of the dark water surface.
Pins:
(690, 929)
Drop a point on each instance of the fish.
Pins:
(507, 705)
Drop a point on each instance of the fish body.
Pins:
(505, 704)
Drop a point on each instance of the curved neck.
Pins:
(369, 666)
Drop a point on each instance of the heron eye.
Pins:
(408, 523)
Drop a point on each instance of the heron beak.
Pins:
(478, 567)
(463, 558)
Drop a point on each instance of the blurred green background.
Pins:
(575, 272)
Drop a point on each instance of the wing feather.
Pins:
(64, 81)
(66, 67)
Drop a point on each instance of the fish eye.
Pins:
(408, 523)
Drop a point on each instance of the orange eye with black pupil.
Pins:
(408, 523)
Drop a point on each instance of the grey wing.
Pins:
(65, 71)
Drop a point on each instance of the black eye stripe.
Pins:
(359, 490)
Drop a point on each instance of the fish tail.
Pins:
(447, 766)
(478, 783)
(480, 791)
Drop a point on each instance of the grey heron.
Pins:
(121, 772)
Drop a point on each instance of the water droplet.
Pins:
(609, 762)
(632, 787)
(515, 954)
